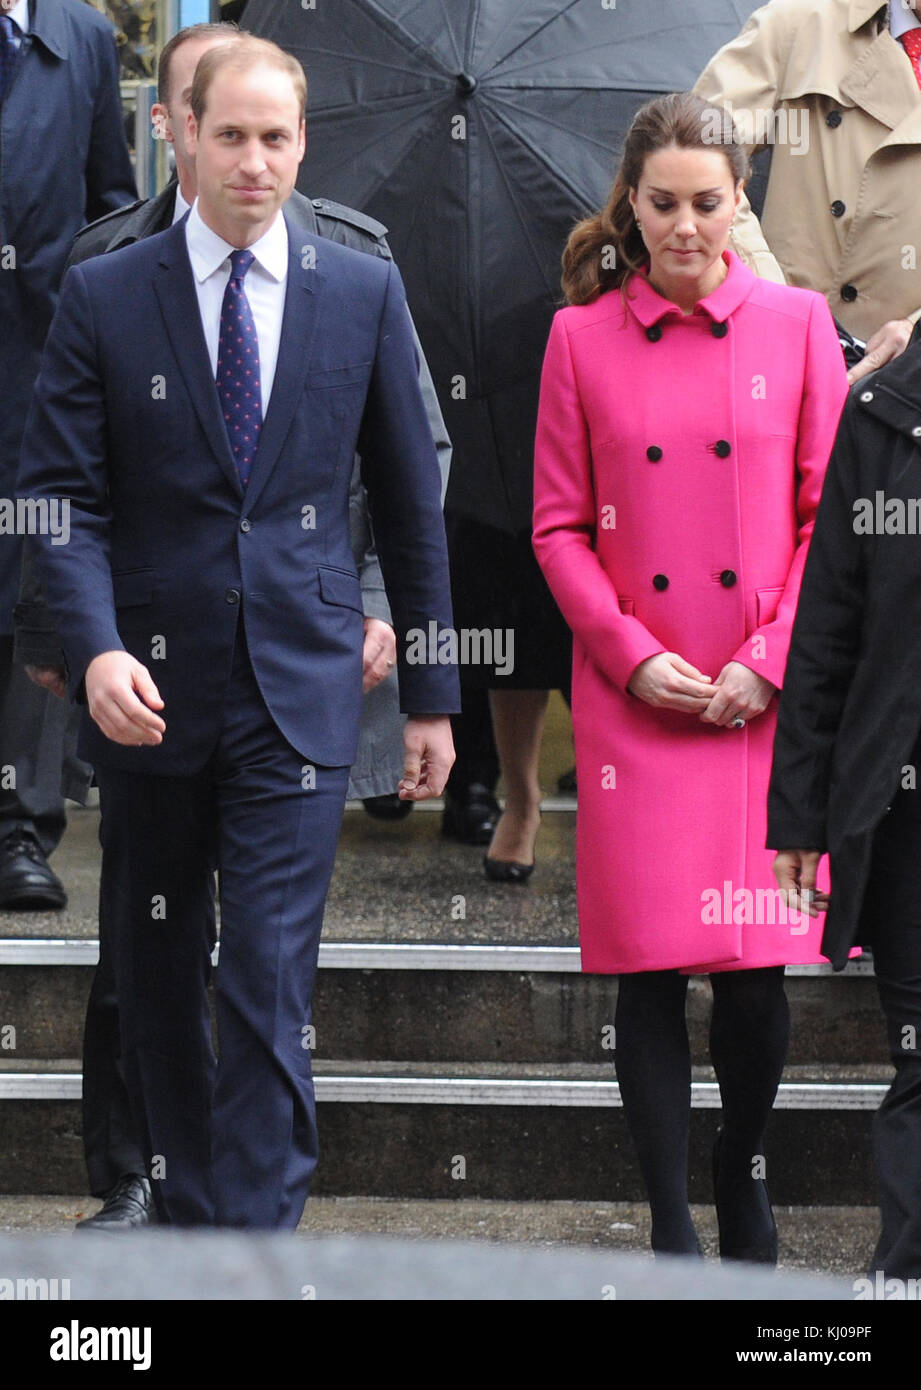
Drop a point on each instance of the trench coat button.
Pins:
(838, 208)
(654, 333)
(719, 330)
(866, 396)
(728, 578)
(722, 448)
(232, 596)
(246, 525)
(833, 119)
(654, 453)
(916, 432)
(660, 581)
(848, 293)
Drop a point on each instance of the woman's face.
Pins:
(686, 201)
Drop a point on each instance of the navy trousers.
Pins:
(232, 1140)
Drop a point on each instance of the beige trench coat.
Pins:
(828, 86)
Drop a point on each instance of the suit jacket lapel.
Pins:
(174, 285)
(302, 291)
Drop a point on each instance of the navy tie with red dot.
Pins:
(238, 378)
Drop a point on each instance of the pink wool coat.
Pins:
(679, 462)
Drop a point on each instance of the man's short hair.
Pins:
(226, 30)
(249, 53)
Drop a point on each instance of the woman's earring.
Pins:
(639, 225)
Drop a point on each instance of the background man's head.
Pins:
(175, 72)
(246, 133)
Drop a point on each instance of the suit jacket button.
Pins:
(654, 453)
(232, 596)
(728, 578)
(722, 448)
(660, 581)
(719, 330)
(833, 119)
(654, 333)
(246, 525)
(838, 208)
(848, 293)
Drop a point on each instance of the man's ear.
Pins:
(191, 131)
(159, 120)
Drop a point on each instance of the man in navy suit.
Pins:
(201, 398)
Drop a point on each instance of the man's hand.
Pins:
(122, 698)
(887, 342)
(795, 871)
(429, 756)
(49, 678)
(739, 693)
(378, 654)
(667, 681)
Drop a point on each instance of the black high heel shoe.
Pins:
(509, 870)
(757, 1248)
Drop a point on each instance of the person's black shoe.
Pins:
(27, 880)
(748, 1231)
(388, 807)
(472, 817)
(126, 1207)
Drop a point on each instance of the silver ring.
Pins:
(737, 723)
(389, 663)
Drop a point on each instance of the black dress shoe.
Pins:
(388, 807)
(748, 1233)
(27, 880)
(126, 1207)
(471, 818)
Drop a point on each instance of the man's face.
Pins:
(170, 120)
(246, 151)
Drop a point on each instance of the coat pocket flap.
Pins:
(132, 588)
(337, 586)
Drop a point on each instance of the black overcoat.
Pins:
(850, 709)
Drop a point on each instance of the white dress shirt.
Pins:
(181, 208)
(265, 285)
(19, 14)
(901, 19)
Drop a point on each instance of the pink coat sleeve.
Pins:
(824, 392)
(565, 523)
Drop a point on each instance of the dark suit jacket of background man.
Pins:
(63, 162)
(161, 540)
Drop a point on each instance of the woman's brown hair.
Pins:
(605, 250)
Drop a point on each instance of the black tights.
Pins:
(749, 1032)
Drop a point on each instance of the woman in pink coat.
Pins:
(687, 414)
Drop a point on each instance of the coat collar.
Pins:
(649, 306)
(861, 12)
(893, 394)
(48, 24)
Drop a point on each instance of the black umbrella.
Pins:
(479, 131)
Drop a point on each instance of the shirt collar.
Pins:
(901, 20)
(649, 306)
(180, 207)
(19, 14)
(208, 251)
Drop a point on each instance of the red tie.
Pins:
(911, 41)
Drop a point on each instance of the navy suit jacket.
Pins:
(164, 546)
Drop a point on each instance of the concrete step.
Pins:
(487, 1130)
(835, 1240)
(479, 1003)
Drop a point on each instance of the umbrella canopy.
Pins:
(479, 131)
